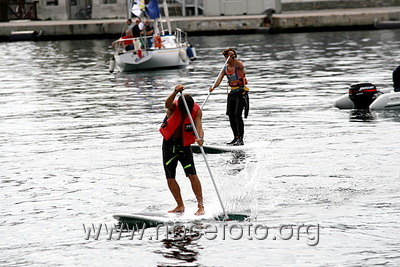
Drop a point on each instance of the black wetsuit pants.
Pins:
(174, 152)
(236, 105)
(396, 79)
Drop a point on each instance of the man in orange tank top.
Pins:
(238, 99)
(178, 136)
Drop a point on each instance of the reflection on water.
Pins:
(392, 115)
(238, 162)
(150, 78)
(181, 246)
(362, 115)
(238, 157)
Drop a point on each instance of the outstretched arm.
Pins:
(219, 80)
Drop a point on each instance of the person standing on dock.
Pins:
(238, 99)
(178, 135)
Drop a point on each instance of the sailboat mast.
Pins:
(161, 25)
(167, 16)
(129, 9)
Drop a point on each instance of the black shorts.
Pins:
(174, 151)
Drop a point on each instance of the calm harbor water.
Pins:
(78, 144)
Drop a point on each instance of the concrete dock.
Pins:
(331, 19)
(334, 18)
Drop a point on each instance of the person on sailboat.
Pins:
(125, 41)
(128, 43)
(136, 29)
(178, 135)
(238, 99)
(148, 31)
(129, 24)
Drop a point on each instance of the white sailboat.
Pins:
(166, 51)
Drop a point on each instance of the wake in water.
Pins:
(239, 187)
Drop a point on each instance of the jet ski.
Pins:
(367, 96)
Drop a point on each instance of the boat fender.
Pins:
(112, 64)
(157, 41)
(137, 44)
(191, 53)
(182, 55)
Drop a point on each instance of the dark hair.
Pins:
(226, 51)
(189, 102)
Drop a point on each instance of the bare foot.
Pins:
(200, 211)
(177, 210)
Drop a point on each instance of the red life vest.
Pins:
(172, 123)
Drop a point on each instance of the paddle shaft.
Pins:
(209, 93)
(204, 156)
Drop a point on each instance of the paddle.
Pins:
(204, 156)
(209, 93)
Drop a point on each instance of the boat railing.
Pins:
(123, 45)
(142, 42)
(181, 37)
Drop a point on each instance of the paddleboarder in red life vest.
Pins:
(178, 136)
(238, 99)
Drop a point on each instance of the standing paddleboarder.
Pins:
(238, 99)
(178, 136)
(396, 79)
